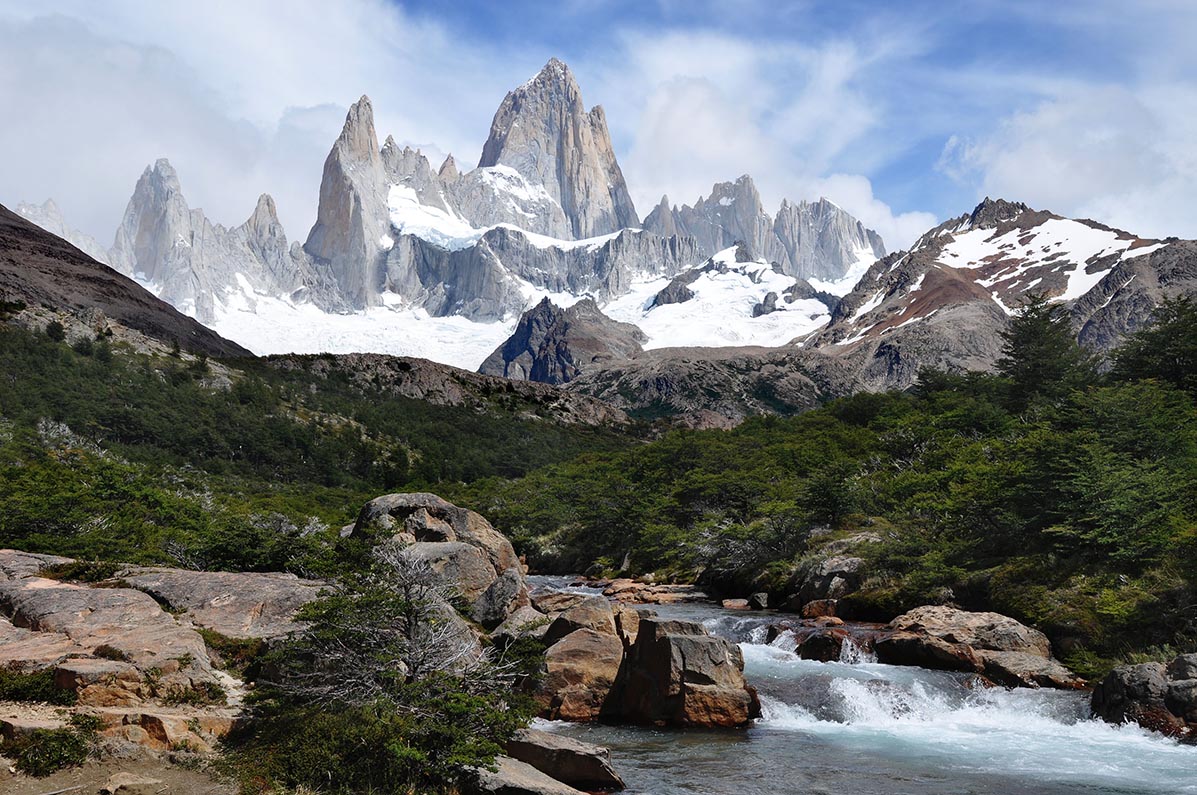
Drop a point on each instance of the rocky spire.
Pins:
(543, 131)
(991, 212)
(156, 228)
(352, 215)
(448, 170)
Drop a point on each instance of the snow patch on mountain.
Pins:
(721, 312)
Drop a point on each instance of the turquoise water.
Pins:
(861, 728)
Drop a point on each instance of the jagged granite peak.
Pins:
(554, 345)
(821, 240)
(191, 261)
(352, 217)
(808, 240)
(49, 217)
(543, 130)
(662, 220)
(448, 170)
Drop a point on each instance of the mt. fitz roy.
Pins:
(536, 265)
(546, 212)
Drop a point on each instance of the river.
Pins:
(858, 727)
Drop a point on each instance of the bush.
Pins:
(55, 331)
(38, 686)
(45, 751)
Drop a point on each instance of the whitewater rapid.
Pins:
(857, 727)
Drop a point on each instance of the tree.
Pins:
(385, 689)
(1165, 350)
(1041, 356)
(55, 331)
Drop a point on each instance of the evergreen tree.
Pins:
(1165, 350)
(1041, 356)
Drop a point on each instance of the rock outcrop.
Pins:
(113, 646)
(235, 604)
(543, 131)
(1156, 696)
(808, 240)
(553, 345)
(991, 644)
(573, 762)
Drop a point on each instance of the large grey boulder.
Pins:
(467, 553)
(1159, 697)
(427, 517)
(573, 762)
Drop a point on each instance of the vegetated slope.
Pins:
(39, 269)
(112, 453)
(1047, 493)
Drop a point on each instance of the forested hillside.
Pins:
(243, 464)
(1051, 491)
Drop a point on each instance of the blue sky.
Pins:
(903, 112)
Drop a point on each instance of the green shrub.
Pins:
(90, 571)
(46, 751)
(37, 686)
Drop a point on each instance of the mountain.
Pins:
(43, 272)
(553, 345)
(49, 217)
(545, 133)
(945, 300)
(190, 261)
(808, 240)
(407, 257)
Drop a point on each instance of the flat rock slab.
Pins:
(513, 777)
(16, 565)
(235, 604)
(127, 623)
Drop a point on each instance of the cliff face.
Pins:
(554, 345)
(544, 132)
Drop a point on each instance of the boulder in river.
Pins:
(513, 777)
(680, 675)
(1159, 697)
(580, 672)
(592, 612)
(997, 646)
(573, 762)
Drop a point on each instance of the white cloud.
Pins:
(246, 98)
(1126, 156)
